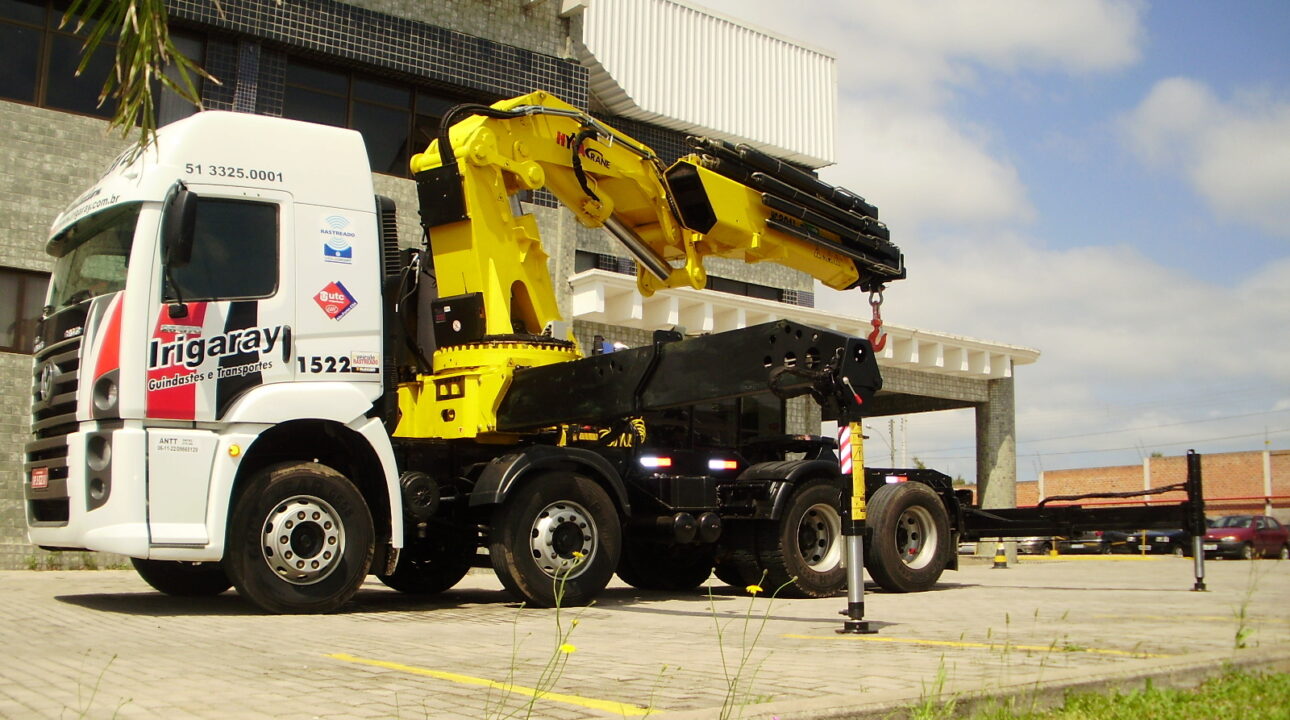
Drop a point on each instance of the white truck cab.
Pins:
(155, 377)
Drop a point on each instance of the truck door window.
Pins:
(235, 253)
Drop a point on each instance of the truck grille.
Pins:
(55, 379)
(54, 411)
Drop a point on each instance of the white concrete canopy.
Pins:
(606, 297)
(682, 66)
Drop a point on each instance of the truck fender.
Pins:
(258, 442)
(503, 473)
(373, 430)
(786, 475)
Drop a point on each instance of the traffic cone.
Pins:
(1000, 557)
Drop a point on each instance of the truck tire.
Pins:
(555, 540)
(183, 579)
(429, 567)
(655, 566)
(300, 539)
(801, 552)
(737, 564)
(910, 543)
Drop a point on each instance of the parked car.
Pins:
(1092, 542)
(1039, 545)
(1247, 537)
(1155, 542)
(1166, 542)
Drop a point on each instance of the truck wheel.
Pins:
(736, 563)
(300, 539)
(911, 539)
(555, 540)
(802, 550)
(183, 579)
(654, 566)
(427, 567)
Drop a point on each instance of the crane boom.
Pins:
(722, 200)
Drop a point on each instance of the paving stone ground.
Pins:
(102, 644)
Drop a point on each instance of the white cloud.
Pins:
(917, 50)
(918, 167)
(1128, 343)
(1113, 326)
(1097, 311)
(1235, 154)
(899, 67)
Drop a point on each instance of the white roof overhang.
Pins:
(681, 66)
(611, 298)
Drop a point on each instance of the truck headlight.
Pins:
(106, 395)
(98, 452)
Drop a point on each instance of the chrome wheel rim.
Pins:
(818, 537)
(562, 540)
(916, 538)
(302, 539)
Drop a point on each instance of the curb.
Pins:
(1047, 691)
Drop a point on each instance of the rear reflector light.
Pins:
(723, 464)
(653, 461)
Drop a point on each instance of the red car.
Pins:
(1248, 537)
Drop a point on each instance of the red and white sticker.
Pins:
(335, 300)
(39, 478)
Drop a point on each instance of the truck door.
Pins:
(221, 327)
(338, 311)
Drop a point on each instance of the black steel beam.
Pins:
(784, 357)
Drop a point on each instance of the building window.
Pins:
(40, 59)
(396, 120)
(24, 294)
(583, 260)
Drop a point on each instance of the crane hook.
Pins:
(877, 337)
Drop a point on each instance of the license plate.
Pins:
(39, 478)
(1077, 546)
(1211, 546)
(1163, 539)
(1144, 547)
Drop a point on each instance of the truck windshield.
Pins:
(92, 256)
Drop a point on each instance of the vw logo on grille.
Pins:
(45, 389)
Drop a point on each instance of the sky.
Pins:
(1106, 181)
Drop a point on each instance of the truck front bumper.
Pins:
(88, 493)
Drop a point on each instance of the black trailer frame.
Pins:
(976, 523)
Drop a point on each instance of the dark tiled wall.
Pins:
(336, 31)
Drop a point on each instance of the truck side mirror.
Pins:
(178, 219)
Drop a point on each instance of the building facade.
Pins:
(390, 69)
(1237, 483)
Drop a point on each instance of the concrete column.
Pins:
(996, 452)
(1267, 482)
(996, 446)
